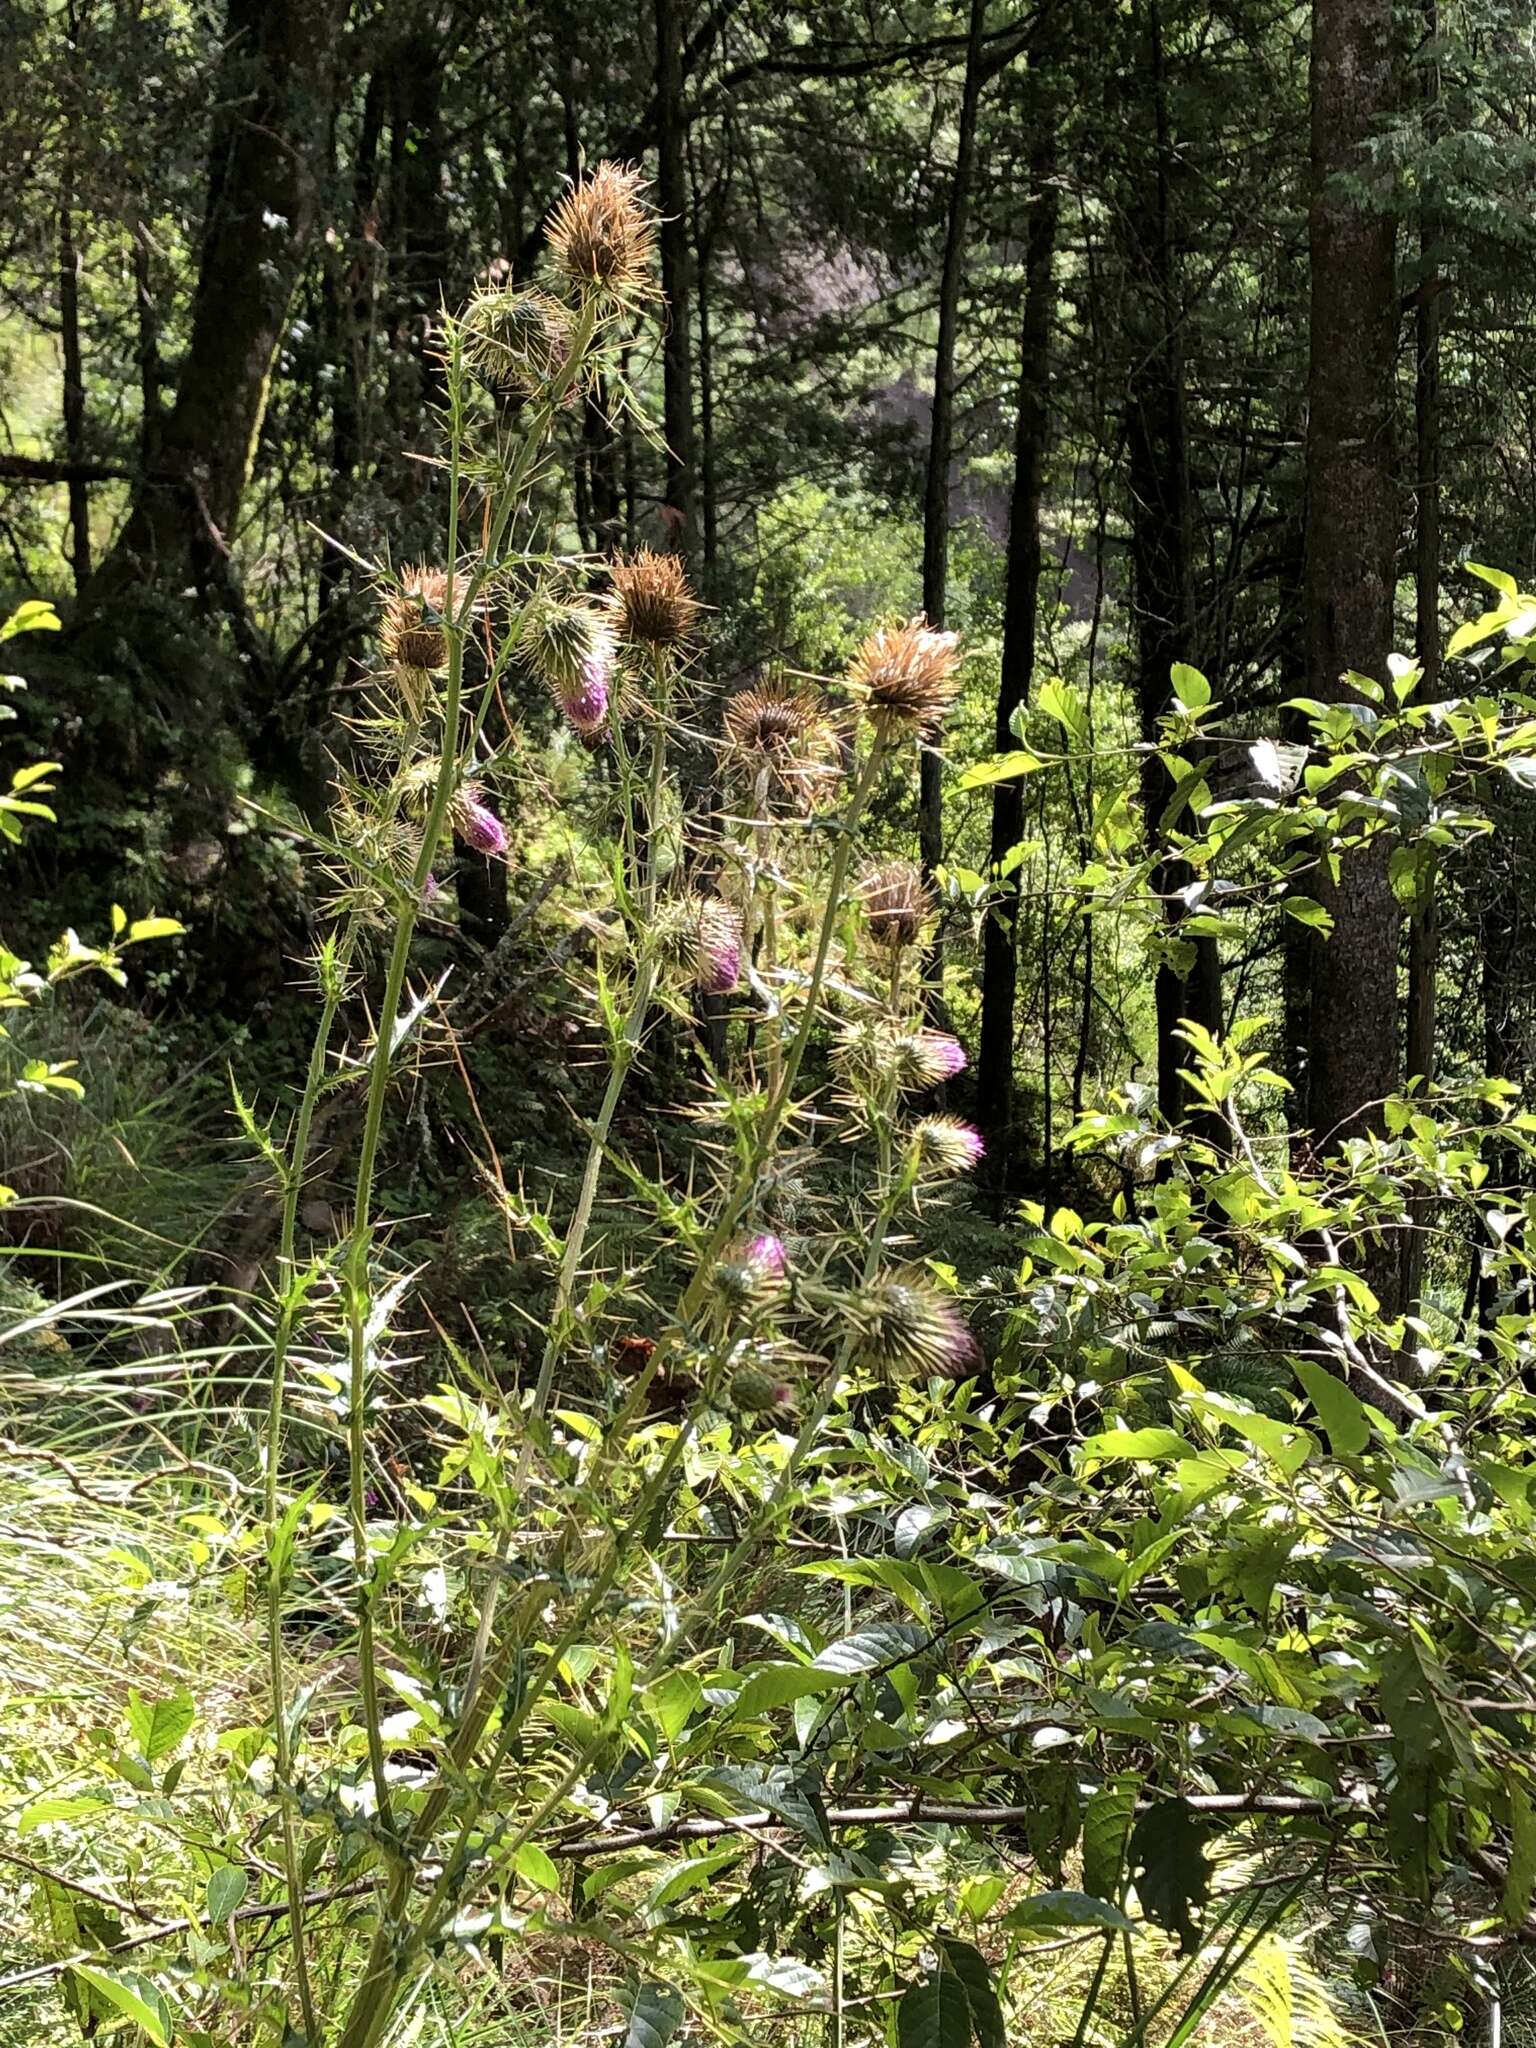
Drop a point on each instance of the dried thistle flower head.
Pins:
(781, 740)
(903, 1324)
(476, 823)
(570, 646)
(516, 342)
(411, 632)
(702, 935)
(897, 902)
(907, 677)
(603, 237)
(878, 1050)
(946, 1145)
(650, 603)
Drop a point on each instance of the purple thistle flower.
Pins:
(584, 699)
(945, 1055)
(947, 1144)
(719, 948)
(766, 1252)
(431, 889)
(477, 824)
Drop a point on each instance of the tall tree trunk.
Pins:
(930, 829)
(999, 972)
(1162, 550)
(273, 93)
(1351, 536)
(1423, 935)
(677, 346)
(74, 389)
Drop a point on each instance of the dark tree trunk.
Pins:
(74, 391)
(1162, 551)
(419, 226)
(930, 828)
(999, 974)
(1423, 935)
(677, 346)
(1351, 536)
(273, 93)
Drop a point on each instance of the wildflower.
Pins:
(781, 739)
(944, 1145)
(476, 823)
(516, 342)
(411, 632)
(603, 238)
(750, 1274)
(766, 1252)
(897, 902)
(903, 1324)
(751, 1391)
(907, 677)
(651, 604)
(571, 647)
(702, 935)
(431, 889)
(875, 1050)
(719, 927)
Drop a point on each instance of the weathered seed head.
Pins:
(897, 902)
(411, 631)
(603, 237)
(780, 739)
(907, 677)
(651, 604)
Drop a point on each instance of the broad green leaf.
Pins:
(1341, 1414)
(871, 1649)
(935, 2014)
(654, 2016)
(1106, 1823)
(1499, 579)
(158, 1725)
(1114, 1445)
(1520, 1878)
(153, 928)
(776, 1685)
(1190, 687)
(226, 1890)
(536, 1867)
(672, 1699)
(133, 1996)
(1001, 768)
(1169, 1869)
(974, 1972)
(57, 1806)
(1066, 1909)
(35, 616)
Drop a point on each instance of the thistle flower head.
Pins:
(752, 1391)
(411, 630)
(907, 677)
(476, 823)
(650, 603)
(945, 1145)
(702, 936)
(897, 902)
(571, 647)
(603, 237)
(749, 1275)
(516, 342)
(781, 740)
(877, 1050)
(903, 1324)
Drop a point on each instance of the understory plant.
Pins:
(797, 1643)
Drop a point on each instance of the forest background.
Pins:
(1177, 359)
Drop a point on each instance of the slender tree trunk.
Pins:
(273, 92)
(1162, 553)
(930, 829)
(1423, 934)
(677, 346)
(74, 390)
(1351, 536)
(999, 973)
